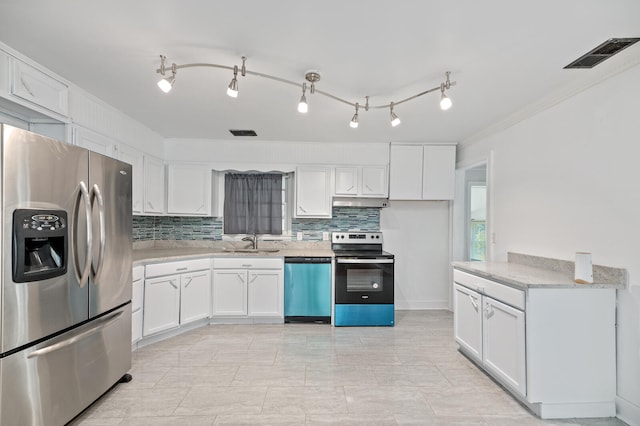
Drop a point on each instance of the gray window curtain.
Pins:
(253, 203)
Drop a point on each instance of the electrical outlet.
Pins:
(325, 236)
(299, 236)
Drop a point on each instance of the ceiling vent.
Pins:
(602, 52)
(243, 132)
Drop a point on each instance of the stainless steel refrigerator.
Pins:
(65, 296)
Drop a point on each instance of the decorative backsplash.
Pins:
(147, 228)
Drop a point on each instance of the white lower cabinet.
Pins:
(137, 296)
(492, 333)
(503, 343)
(161, 304)
(552, 348)
(175, 294)
(229, 291)
(248, 287)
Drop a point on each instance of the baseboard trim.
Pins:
(422, 305)
(627, 412)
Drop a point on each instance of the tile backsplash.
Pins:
(146, 228)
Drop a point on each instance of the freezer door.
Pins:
(41, 173)
(52, 382)
(110, 188)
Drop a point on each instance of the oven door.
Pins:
(362, 280)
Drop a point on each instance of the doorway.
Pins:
(476, 213)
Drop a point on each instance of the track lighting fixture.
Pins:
(393, 117)
(311, 77)
(232, 90)
(166, 83)
(354, 120)
(445, 102)
(302, 105)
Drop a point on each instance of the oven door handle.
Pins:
(339, 260)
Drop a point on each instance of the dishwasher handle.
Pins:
(303, 259)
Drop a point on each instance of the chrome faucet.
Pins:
(253, 239)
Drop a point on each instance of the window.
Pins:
(255, 203)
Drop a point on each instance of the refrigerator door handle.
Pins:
(96, 194)
(82, 275)
(104, 322)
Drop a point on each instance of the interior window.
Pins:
(255, 203)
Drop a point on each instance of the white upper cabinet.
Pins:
(405, 172)
(438, 172)
(94, 142)
(153, 185)
(313, 192)
(422, 172)
(36, 87)
(347, 181)
(361, 181)
(188, 189)
(135, 158)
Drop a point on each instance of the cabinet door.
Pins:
(467, 320)
(265, 293)
(405, 172)
(504, 343)
(195, 296)
(438, 175)
(374, 181)
(188, 190)
(136, 326)
(135, 158)
(94, 142)
(229, 292)
(346, 181)
(161, 309)
(313, 192)
(38, 88)
(153, 185)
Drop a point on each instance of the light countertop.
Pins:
(173, 251)
(524, 271)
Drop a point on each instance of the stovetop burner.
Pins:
(358, 244)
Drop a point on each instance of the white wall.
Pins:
(245, 152)
(566, 180)
(417, 233)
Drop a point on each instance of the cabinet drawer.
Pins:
(248, 263)
(138, 273)
(39, 88)
(159, 269)
(504, 293)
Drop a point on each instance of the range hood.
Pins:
(360, 202)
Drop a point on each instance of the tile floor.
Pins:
(311, 374)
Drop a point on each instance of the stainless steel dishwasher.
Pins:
(307, 289)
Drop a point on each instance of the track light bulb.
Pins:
(166, 84)
(354, 120)
(232, 90)
(395, 120)
(303, 107)
(445, 102)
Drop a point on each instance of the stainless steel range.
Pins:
(363, 280)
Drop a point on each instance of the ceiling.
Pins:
(506, 56)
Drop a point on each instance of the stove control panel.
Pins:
(356, 237)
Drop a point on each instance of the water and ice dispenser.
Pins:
(40, 240)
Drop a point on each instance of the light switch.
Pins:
(325, 236)
(299, 236)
